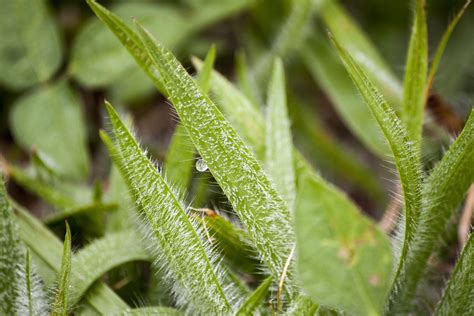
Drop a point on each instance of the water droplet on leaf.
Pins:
(201, 165)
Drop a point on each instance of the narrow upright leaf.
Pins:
(10, 254)
(442, 193)
(413, 104)
(59, 305)
(261, 210)
(336, 248)
(458, 297)
(255, 300)
(404, 152)
(197, 284)
(204, 76)
(279, 149)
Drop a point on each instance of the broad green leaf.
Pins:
(94, 260)
(336, 248)
(241, 113)
(352, 37)
(413, 103)
(260, 208)
(30, 48)
(255, 300)
(47, 251)
(199, 284)
(458, 296)
(98, 59)
(441, 47)
(31, 298)
(442, 193)
(37, 119)
(10, 254)
(404, 152)
(328, 72)
(59, 306)
(279, 146)
(150, 311)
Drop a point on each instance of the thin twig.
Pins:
(283, 276)
(466, 217)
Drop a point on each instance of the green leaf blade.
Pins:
(60, 303)
(336, 247)
(100, 256)
(458, 296)
(279, 149)
(10, 254)
(230, 161)
(414, 98)
(252, 303)
(171, 227)
(442, 193)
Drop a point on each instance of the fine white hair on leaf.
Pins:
(31, 297)
(198, 283)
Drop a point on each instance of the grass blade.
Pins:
(413, 103)
(336, 247)
(102, 255)
(404, 152)
(303, 306)
(10, 254)
(179, 242)
(279, 149)
(442, 193)
(60, 303)
(458, 297)
(254, 301)
(261, 210)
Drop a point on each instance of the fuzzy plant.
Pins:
(290, 242)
